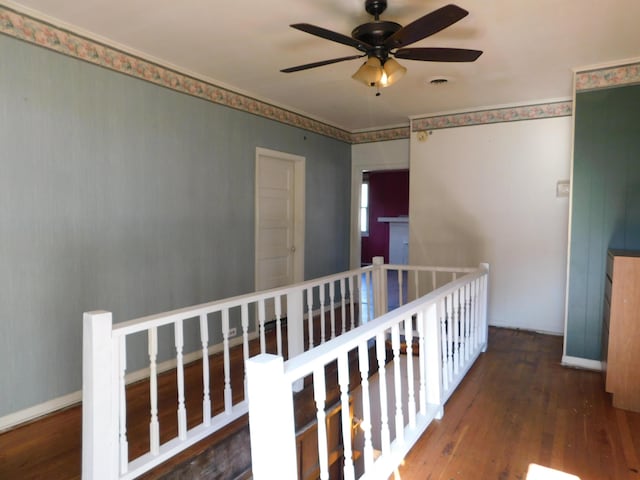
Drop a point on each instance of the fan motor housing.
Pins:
(375, 33)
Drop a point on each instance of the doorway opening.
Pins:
(385, 211)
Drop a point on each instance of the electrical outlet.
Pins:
(233, 332)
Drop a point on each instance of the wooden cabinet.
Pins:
(621, 329)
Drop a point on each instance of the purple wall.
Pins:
(388, 197)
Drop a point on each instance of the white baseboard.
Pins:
(543, 332)
(577, 362)
(14, 419)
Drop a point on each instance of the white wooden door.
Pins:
(279, 219)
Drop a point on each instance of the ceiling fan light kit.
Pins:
(374, 74)
(394, 71)
(381, 40)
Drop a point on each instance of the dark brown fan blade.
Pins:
(426, 26)
(331, 35)
(438, 54)
(319, 64)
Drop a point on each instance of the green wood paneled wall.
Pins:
(606, 204)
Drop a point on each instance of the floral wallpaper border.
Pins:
(380, 135)
(497, 115)
(31, 30)
(608, 77)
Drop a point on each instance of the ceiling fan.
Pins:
(380, 40)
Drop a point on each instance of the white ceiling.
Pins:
(530, 48)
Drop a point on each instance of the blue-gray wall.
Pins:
(117, 194)
(606, 204)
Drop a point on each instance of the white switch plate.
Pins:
(563, 188)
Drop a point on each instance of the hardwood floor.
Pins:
(516, 406)
(519, 406)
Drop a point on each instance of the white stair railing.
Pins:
(331, 303)
(394, 406)
(314, 313)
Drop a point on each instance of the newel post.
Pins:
(271, 420)
(99, 430)
(295, 328)
(485, 307)
(433, 357)
(379, 287)
(295, 323)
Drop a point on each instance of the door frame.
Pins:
(298, 210)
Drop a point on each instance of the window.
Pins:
(364, 208)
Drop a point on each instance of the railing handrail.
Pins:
(164, 318)
(300, 365)
(422, 268)
(143, 323)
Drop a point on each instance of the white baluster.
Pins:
(322, 319)
(421, 361)
(456, 331)
(416, 283)
(352, 296)
(476, 312)
(371, 299)
(400, 297)
(343, 380)
(343, 309)
(485, 304)
(361, 298)
(310, 316)
(397, 381)
(182, 411)
(363, 362)
(467, 327)
(449, 322)
(244, 313)
(332, 294)
(454, 276)
(461, 326)
(320, 396)
(154, 426)
(433, 280)
(124, 444)
(206, 397)
(408, 337)
(382, 374)
(278, 311)
(228, 399)
(261, 316)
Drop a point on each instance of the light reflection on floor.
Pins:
(538, 472)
